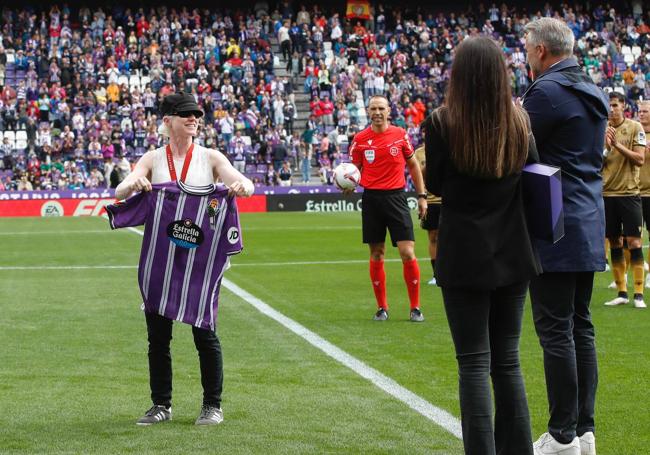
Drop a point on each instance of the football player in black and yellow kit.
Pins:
(644, 180)
(624, 155)
(432, 218)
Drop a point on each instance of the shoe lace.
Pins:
(208, 411)
(155, 409)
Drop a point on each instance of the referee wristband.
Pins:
(422, 195)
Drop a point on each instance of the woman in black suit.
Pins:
(476, 147)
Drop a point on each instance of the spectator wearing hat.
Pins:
(194, 165)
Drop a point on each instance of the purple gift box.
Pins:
(542, 188)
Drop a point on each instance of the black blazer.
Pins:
(483, 240)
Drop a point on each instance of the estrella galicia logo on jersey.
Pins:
(394, 150)
(370, 155)
(185, 233)
(233, 235)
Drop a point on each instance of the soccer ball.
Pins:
(346, 176)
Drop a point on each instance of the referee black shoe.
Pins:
(416, 315)
(157, 413)
(380, 315)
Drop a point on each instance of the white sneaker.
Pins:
(547, 445)
(639, 303)
(617, 301)
(647, 281)
(607, 269)
(588, 444)
(646, 267)
(432, 281)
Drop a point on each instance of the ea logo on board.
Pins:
(52, 208)
(233, 235)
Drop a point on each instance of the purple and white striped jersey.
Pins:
(189, 235)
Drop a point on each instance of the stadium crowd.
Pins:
(79, 88)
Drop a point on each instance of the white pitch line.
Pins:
(90, 231)
(247, 264)
(437, 415)
(66, 267)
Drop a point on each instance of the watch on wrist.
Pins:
(422, 195)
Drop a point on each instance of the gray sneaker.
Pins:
(380, 315)
(156, 414)
(210, 415)
(416, 315)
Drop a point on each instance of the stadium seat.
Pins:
(144, 80)
(636, 51)
(21, 135)
(247, 140)
(250, 168)
(262, 168)
(11, 135)
(134, 81)
(327, 46)
(122, 79)
(20, 144)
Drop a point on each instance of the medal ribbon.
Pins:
(186, 163)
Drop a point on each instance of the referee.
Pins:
(381, 152)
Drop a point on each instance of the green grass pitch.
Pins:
(73, 368)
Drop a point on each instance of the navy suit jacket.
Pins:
(568, 115)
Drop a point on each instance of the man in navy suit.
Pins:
(568, 114)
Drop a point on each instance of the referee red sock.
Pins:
(378, 278)
(411, 271)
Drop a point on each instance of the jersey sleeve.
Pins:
(232, 230)
(639, 137)
(407, 147)
(355, 153)
(131, 212)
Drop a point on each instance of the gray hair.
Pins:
(554, 34)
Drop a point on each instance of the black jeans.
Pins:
(566, 333)
(159, 331)
(485, 327)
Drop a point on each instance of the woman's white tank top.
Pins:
(198, 174)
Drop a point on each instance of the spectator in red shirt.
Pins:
(327, 111)
(315, 107)
(381, 152)
(142, 26)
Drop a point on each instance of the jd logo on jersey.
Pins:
(233, 235)
(185, 233)
(370, 155)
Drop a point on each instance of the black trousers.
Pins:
(159, 331)
(485, 327)
(563, 323)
